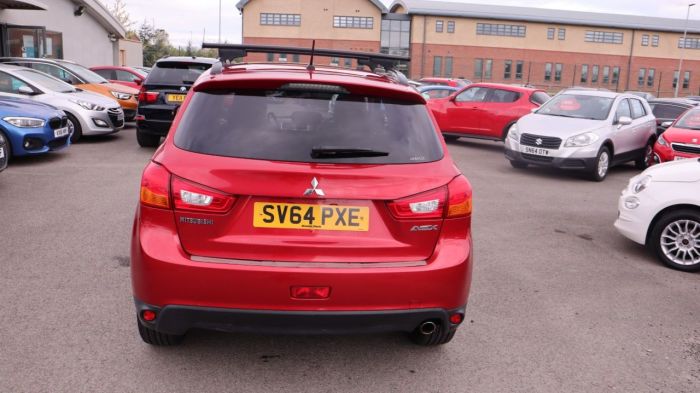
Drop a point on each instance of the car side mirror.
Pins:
(138, 82)
(26, 90)
(534, 110)
(666, 124)
(624, 121)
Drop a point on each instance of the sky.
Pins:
(187, 20)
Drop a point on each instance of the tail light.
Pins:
(147, 97)
(155, 186)
(193, 197)
(459, 202)
(430, 204)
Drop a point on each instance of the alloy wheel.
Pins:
(603, 164)
(680, 242)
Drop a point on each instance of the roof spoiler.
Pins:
(229, 52)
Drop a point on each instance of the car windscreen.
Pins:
(87, 75)
(46, 81)
(667, 111)
(578, 106)
(690, 120)
(176, 73)
(308, 126)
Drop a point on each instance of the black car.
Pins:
(669, 109)
(163, 92)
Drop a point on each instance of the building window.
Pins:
(548, 71)
(550, 33)
(558, 71)
(690, 43)
(280, 19)
(584, 73)
(650, 77)
(507, 69)
(54, 45)
(675, 79)
(500, 29)
(594, 74)
(438, 26)
(353, 22)
(270, 57)
(478, 68)
(615, 75)
(519, 69)
(448, 67)
(437, 66)
(642, 77)
(295, 58)
(606, 74)
(488, 67)
(450, 26)
(335, 61)
(645, 39)
(655, 40)
(282, 58)
(562, 33)
(606, 37)
(396, 36)
(348, 63)
(686, 79)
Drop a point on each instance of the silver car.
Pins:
(88, 113)
(584, 130)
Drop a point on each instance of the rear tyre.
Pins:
(147, 140)
(439, 337)
(450, 138)
(602, 165)
(675, 239)
(647, 158)
(74, 124)
(518, 164)
(5, 144)
(153, 337)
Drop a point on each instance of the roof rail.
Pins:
(229, 52)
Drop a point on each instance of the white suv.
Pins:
(584, 130)
(661, 208)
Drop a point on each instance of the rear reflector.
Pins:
(194, 197)
(459, 203)
(148, 315)
(155, 186)
(429, 204)
(456, 318)
(299, 292)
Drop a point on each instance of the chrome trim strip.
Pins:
(323, 265)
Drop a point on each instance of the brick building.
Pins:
(547, 48)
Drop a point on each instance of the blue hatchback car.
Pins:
(28, 127)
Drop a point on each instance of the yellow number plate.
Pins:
(175, 97)
(303, 216)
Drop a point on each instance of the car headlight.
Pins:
(641, 184)
(662, 141)
(25, 122)
(121, 96)
(585, 139)
(88, 105)
(514, 133)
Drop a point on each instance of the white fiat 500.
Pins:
(584, 130)
(661, 209)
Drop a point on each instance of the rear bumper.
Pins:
(178, 320)
(154, 127)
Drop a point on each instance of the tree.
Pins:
(118, 10)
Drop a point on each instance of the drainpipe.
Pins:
(422, 55)
(629, 62)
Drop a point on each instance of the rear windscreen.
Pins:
(287, 125)
(173, 73)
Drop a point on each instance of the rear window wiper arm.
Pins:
(345, 152)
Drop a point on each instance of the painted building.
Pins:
(79, 30)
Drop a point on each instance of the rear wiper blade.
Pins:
(345, 152)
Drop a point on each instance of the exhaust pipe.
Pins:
(426, 328)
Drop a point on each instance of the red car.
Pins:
(294, 199)
(435, 81)
(485, 110)
(681, 140)
(126, 76)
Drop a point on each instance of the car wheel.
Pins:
(147, 140)
(7, 150)
(450, 138)
(74, 125)
(647, 159)
(438, 336)
(601, 166)
(518, 164)
(675, 239)
(154, 337)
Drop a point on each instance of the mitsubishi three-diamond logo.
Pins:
(314, 189)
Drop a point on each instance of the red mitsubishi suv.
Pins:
(302, 199)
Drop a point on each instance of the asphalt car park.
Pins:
(560, 301)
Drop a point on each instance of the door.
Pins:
(623, 136)
(643, 126)
(464, 114)
(25, 41)
(497, 111)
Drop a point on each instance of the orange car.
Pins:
(83, 78)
